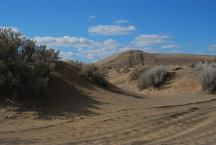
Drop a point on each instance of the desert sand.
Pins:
(178, 113)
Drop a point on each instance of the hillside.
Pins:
(75, 111)
(136, 57)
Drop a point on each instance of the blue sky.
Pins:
(93, 29)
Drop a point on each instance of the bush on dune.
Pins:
(153, 77)
(78, 65)
(93, 74)
(24, 66)
(208, 77)
(90, 72)
(135, 74)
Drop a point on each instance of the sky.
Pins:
(90, 30)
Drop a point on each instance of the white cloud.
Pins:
(92, 17)
(87, 48)
(65, 41)
(212, 47)
(167, 46)
(110, 44)
(145, 49)
(121, 21)
(102, 50)
(150, 40)
(15, 29)
(151, 43)
(111, 30)
(66, 55)
(75, 42)
(96, 54)
(92, 50)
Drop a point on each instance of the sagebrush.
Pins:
(93, 74)
(135, 74)
(153, 77)
(24, 66)
(208, 77)
(78, 65)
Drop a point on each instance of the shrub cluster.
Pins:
(78, 65)
(93, 74)
(153, 77)
(24, 66)
(135, 74)
(208, 77)
(201, 64)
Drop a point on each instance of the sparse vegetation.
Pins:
(93, 74)
(200, 64)
(153, 77)
(208, 77)
(78, 65)
(135, 74)
(24, 66)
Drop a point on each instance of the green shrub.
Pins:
(153, 77)
(24, 66)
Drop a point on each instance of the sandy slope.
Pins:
(137, 57)
(176, 114)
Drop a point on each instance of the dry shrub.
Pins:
(135, 74)
(78, 65)
(200, 64)
(154, 77)
(208, 77)
(93, 74)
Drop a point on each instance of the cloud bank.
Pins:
(145, 40)
(111, 30)
(93, 50)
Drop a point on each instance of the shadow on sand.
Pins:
(61, 100)
(119, 91)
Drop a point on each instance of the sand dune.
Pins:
(178, 113)
(132, 58)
